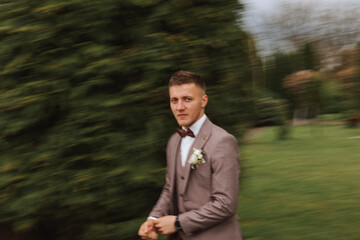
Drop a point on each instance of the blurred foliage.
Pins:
(280, 64)
(270, 111)
(348, 80)
(309, 57)
(354, 120)
(84, 106)
(333, 100)
(277, 67)
(304, 88)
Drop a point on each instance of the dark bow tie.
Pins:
(184, 133)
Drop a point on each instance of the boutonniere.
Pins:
(196, 158)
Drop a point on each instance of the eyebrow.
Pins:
(182, 97)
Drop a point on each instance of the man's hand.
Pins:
(147, 230)
(166, 225)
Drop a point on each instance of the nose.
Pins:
(180, 106)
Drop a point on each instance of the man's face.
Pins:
(187, 102)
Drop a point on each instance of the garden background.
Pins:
(84, 108)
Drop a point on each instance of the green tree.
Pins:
(84, 106)
(305, 90)
(277, 67)
(309, 54)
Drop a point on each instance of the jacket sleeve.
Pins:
(162, 206)
(225, 182)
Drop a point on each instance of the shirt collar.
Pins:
(197, 125)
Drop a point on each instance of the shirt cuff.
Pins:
(153, 218)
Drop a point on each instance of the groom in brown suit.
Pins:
(199, 199)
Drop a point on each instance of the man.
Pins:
(199, 199)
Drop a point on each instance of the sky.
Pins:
(260, 6)
(255, 10)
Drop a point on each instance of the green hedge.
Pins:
(84, 106)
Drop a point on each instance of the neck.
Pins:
(188, 127)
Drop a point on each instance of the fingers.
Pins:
(166, 225)
(142, 233)
(152, 235)
(144, 230)
(158, 226)
(149, 226)
(147, 231)
(161, 226)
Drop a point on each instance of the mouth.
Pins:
(182, 115)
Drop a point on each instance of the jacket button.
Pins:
(182, 178)
(181, 195)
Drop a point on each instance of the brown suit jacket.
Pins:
(210, 191)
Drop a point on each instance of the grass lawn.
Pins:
(306, 187)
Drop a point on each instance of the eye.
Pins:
(188, 99)
(173, 100)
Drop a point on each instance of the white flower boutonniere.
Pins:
(196, 158)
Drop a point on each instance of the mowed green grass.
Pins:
(306, 187)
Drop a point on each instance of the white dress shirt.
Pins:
(187, 141)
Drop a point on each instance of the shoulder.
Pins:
(220, 134)
(222, 149)
(174, 138)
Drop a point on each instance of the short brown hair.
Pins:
(183, 77)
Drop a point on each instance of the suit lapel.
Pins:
(199, 143)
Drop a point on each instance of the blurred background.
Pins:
(85, 118)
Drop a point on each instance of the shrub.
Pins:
(354, 120)
(270, 111)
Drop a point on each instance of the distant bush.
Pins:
(270, 111)
(304, 88)
(332, 98)
(354, 120)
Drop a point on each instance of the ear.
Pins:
(204, 101)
